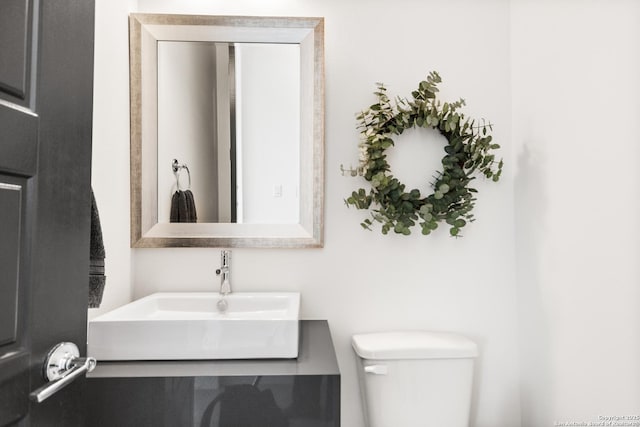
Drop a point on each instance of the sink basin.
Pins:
(188, 325)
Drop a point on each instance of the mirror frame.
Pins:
(145, 30)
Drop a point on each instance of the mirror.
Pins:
(227, 113)
(230, 112)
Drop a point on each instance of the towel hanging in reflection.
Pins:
(183, 207)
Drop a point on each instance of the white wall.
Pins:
(360, 281)
(576, 81)
(110, 167)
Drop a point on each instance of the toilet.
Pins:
(415, 378)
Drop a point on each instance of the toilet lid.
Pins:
(413, 345)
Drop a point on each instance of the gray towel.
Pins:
(97, 279)
(183, 207)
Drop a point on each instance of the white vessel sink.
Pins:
(188, 325)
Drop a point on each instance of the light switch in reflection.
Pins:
(277, 190)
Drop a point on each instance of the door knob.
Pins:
(61, 367)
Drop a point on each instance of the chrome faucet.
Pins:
(225, 272)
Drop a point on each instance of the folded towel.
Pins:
(97, 279)
(183, 207)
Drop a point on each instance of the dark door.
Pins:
(46, 86)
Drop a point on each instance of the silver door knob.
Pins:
(62, 365)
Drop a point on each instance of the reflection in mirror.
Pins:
(230, 111)
(239, 101)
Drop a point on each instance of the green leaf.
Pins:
(454, 231)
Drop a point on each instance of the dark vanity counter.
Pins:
(302, 392)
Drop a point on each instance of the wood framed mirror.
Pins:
(238, 103)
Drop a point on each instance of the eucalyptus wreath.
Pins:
(468, 152)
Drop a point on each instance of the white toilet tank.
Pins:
(415, 378)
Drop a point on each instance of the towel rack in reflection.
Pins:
(176, 167)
